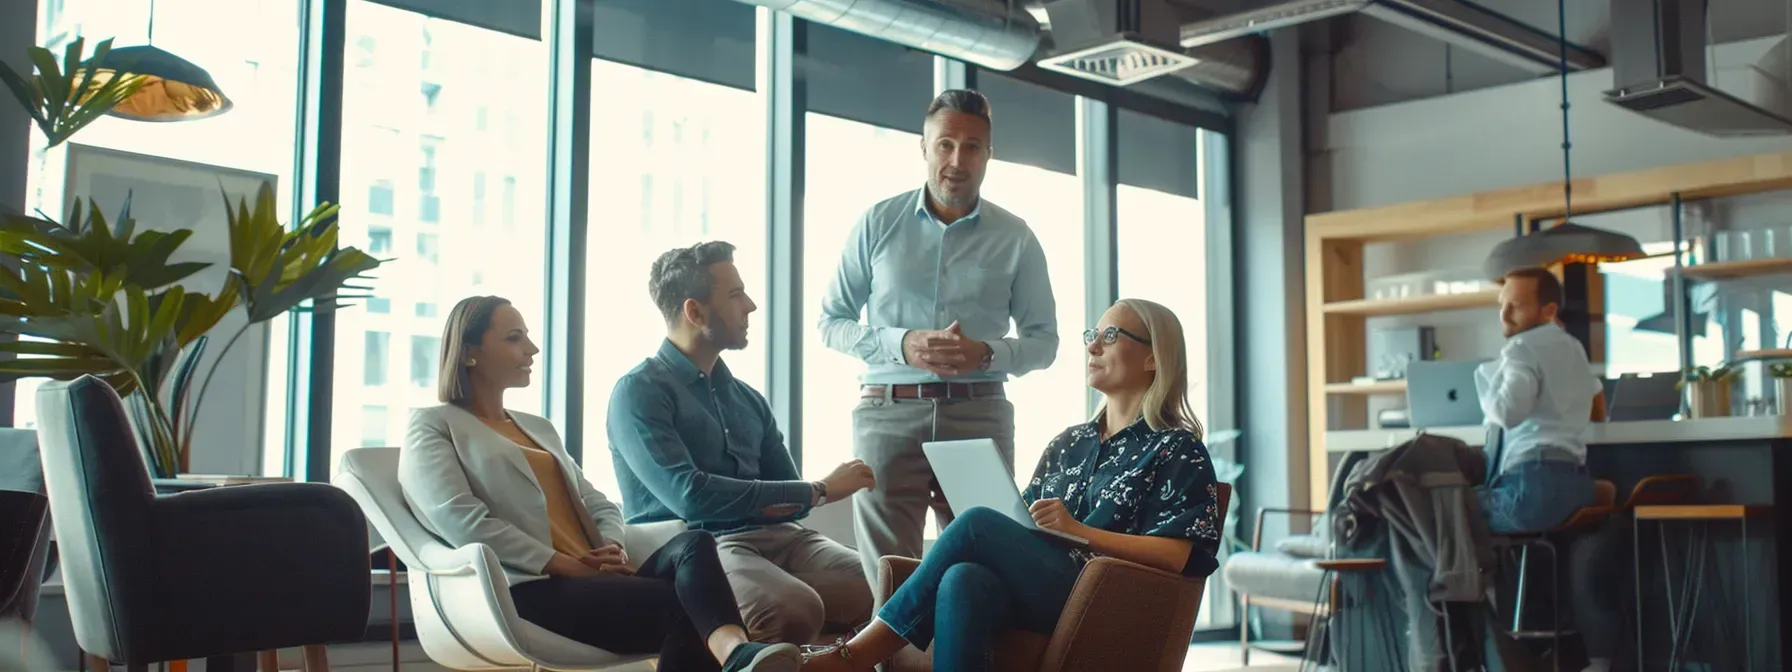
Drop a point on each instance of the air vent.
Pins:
(1119, 62)
(1659, 67)
(1686, 103)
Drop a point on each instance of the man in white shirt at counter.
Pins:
(1542, 392)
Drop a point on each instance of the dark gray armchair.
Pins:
(24, 524)
(210, 572)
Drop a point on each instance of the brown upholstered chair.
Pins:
(1121, 616)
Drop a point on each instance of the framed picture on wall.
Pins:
(167, 194)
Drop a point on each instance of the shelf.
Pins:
(1721, 270)
(1751, 355)
(1428, 303)
(1377, 387)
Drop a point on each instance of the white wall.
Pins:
(1511, 135)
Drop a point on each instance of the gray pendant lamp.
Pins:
(174, 88)
(1565, 243)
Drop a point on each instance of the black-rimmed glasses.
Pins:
(1111, 334)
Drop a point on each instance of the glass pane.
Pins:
(1046, 402)
(173, 173)
(674, 162)
(409, 163)
(883, 163)
(1163, 253)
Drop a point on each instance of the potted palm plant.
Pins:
(95, 297)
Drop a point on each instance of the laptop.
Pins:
(971, 473)
(1642, 397)
(1442, 394)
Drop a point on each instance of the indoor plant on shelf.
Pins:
(90, 296)
(1710, 390)
(1782, 384)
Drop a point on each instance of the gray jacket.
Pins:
(1423, 490)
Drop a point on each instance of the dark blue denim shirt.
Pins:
(1139, 482)
(701, 448)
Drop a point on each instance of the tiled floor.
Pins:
(1208, 657)
(1223, 657)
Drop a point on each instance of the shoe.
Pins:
(757, 657)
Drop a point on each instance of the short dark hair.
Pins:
(960, 100)
(683, 273)
(1549, 288)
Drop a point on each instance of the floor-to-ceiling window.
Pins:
(674, 161)
(1165, 254)
(1034, 176)
(444, 152)
(677, 158)
(863, 142)
(172, 173)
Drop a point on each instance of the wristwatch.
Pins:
(821, 492)
(989, 358)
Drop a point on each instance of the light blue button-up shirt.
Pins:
(906, 269)
(1540, 391)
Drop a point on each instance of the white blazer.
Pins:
(469, 484)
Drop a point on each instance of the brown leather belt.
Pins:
(935, 391)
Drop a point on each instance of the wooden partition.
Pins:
(1337, 311)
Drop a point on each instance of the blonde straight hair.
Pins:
(1166, 401)
(466, 327)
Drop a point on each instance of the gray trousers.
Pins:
(887, 435)
(791, 582)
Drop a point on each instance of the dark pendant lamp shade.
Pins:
(1567, 243)
(175, 90)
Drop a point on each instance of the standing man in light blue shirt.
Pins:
(939, 273)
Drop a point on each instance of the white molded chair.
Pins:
(460, 599)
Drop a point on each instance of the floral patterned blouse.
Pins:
(1138, 482)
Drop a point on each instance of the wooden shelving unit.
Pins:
(1337, 312)
(1377, 387)
(1414, 305)
(1730, 270)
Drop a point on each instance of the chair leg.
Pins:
(1244, 629)
(268, 661)
(316, 658)
(1524, 566)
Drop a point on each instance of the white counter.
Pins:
(1646, 431)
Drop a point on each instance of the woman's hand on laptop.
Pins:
(1051, 514)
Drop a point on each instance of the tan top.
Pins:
(563, 511)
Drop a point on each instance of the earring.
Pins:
(472, 362)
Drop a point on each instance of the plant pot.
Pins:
(1782, 390)
(1709, 398)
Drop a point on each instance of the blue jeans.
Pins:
(985, 574)
(1534, 495)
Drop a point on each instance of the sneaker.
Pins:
(757, 657)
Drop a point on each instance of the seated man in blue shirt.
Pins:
(1542, 392)
(692, 442)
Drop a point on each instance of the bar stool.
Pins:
(1705, 513)
(1339, 602)
(1605, 496)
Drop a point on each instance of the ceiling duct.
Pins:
(1459, 23)
(1005, 34)
(989, 33)
(1659, 69)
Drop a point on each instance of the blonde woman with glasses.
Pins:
(476, 472)
(1135, 481)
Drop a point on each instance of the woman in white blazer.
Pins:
(474, 472)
